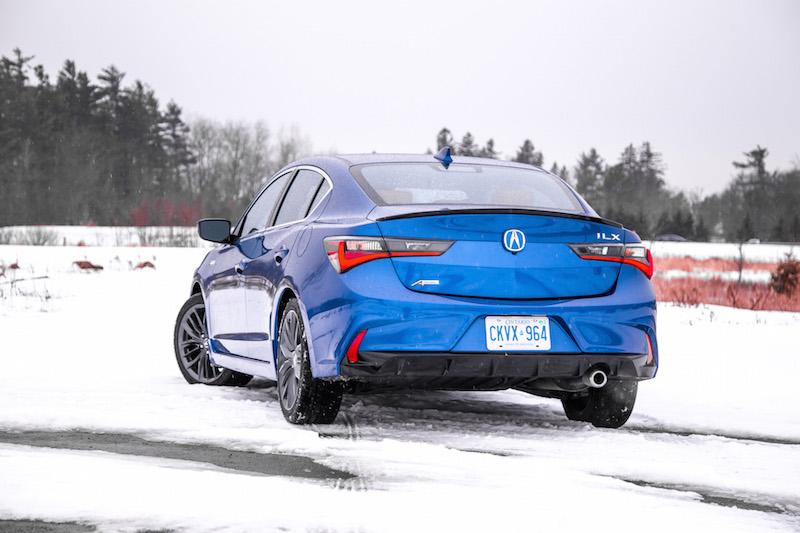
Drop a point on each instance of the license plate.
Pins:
(518, 333)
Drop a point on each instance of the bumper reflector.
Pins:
(650, 356)
(352, 351)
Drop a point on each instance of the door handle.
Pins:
(280, 254)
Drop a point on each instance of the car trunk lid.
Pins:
(534, 262)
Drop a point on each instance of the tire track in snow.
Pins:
(269, 464)
(663, 430)
(40, 526)
(764, 503)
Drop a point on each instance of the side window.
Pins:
(299, 197)
(258, 216)
(321, 192)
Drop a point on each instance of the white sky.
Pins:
(702, 80)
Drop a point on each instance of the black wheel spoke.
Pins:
(285, 367)
(191, 344)
(201, 368)
(193, 359)
(195, 325)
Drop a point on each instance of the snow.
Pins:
(714, 441)
(767, 253)
(104, 235)
(748, 276)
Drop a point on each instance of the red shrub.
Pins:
(165, 213)
(86, 265)
(715, 264)
(141, 215)
(786, 278)
(755, 296)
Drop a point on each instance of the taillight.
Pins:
(650, 355)
(630, 254)
(346, 252)
(639, 256)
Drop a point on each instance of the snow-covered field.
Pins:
(102, 236)
(768, 253)
(90, 394)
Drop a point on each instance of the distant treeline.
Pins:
(78, 152)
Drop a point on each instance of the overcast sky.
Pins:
(702, 81)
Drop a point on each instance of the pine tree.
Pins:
(589, 174)
(700, 232)
(560, 171)
(467, 147)
(664, 224)
(527, 154)
(444, 138)
(745, 230)
(488, 151)
(756, 160)
(17, 110)
(179, 155)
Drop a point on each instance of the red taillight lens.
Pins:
(346, 252)
(630, 254)
(640, 257)
(650, 356)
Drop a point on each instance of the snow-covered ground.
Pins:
(714, 442)
(747, 275)
(768, 253)
(102, 236)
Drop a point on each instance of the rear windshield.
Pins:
(422, 183)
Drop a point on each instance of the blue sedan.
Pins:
(358, 273)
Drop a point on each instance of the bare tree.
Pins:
(234, 159)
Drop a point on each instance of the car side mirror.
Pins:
(215, 230)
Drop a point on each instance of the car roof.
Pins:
(365, 159)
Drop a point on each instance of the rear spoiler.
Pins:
(394, 212)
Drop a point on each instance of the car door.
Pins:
(264, 274)
(226, 294)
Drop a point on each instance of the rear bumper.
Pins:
(486, 371)
(403, 322)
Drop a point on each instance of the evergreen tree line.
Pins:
(757, 204)
(76, 152)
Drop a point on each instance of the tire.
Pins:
(607, 407)
(303, 399)
(191, 348)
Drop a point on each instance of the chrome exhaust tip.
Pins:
(595, 379)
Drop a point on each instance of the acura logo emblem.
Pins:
(514, 240)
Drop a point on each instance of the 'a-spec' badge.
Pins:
(514, 240)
